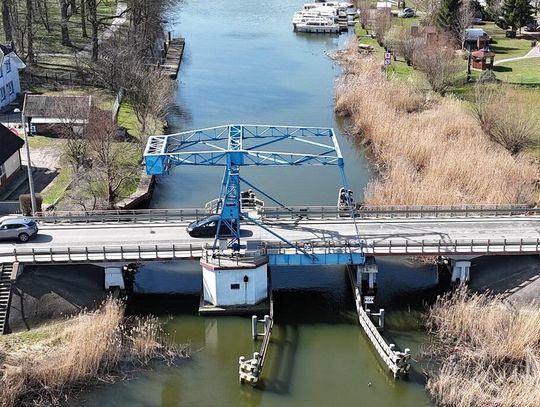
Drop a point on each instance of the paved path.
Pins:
(107, 33)
(533, 53)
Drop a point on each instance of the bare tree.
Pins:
(96, 22)
(6, 19)
(152, 98)
(43, 10)
(73, 116)
(65, 15)
(110, 163)
(506, 121)
(430, 10)
(463, 22)
(83, 19)
(383, 22)
(30, 30)
(439, 63)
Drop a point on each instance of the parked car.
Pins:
(477, 21)
(407, 12)
(532, 27)
(17, 228)
(207, 227)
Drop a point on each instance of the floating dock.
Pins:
(172, 53)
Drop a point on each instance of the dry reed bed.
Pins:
(95, 346)
(489, 352)
(429, 151)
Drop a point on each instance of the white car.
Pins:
(407, 12)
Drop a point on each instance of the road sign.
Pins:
(387, 59)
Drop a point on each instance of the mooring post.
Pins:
(381, 318)
(254, 326)
(266, 324)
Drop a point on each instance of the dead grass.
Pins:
(94, 346)
(489, 352)
(429, 150)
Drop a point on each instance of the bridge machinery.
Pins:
(229, 265)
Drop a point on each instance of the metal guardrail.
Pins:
(399, 212)
(132, 252)
(305, 212)
(122, 216)
(408, 247)
(106, 253)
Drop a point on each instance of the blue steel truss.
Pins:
(234, 146)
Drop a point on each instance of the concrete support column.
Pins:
(461, 271)
(366, 279)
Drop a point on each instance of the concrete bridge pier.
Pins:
(366, 279)
(461, 271)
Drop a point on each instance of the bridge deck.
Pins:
(169, 240)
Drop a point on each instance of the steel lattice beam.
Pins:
(234, 146)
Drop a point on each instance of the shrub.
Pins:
(25, 202)
(489, 352)
(510, 124)
(93, 347)
(439, 63)
(428, 152)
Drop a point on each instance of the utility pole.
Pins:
(29, 164)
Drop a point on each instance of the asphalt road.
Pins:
(414, 230)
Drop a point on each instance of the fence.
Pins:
(116, 104)
(9, 207)
(307, 212)
(317, 249)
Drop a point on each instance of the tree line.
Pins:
(23, 19)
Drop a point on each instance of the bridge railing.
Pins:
(399, 212)
(131, 252)
(122, 216)
(409, 247)
(107, 253)
(305, 212)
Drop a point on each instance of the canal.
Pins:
(244, 64)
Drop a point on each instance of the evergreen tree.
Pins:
(449, 14)
(514, 14)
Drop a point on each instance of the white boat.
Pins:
(302, 16)
(318, 25)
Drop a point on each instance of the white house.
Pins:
(10, 85)
(10, 158)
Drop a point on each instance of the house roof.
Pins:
(475, 33)
(6, 50)
(10, 143)
(57, 108)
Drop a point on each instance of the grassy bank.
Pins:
(46, 366)
(429, 150)
(488, 351)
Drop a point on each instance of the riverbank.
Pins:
(429, 150)
(488, 352)
(50, 364)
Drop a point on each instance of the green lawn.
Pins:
(525, 71)
(506, 47)
(49, 42)
(58, 188)
(397, 69)
(127, 119)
